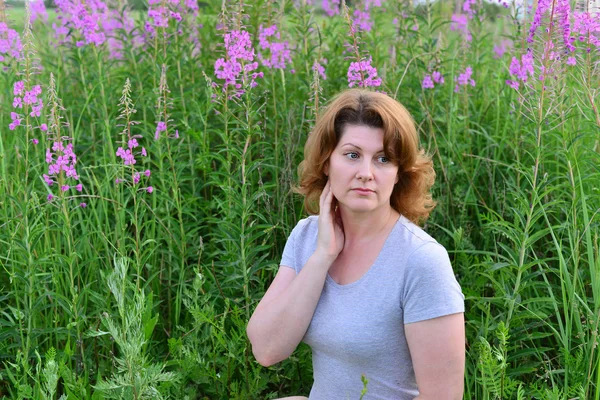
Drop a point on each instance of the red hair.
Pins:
(411, 196)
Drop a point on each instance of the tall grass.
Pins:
(145, 292)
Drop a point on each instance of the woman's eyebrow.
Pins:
(352, 144)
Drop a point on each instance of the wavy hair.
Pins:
(411, 196)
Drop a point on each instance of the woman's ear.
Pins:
(326, 169)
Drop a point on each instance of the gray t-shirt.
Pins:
(358, 328)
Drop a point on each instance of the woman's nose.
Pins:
(365, 171)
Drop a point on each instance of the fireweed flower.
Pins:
(160, 14)
(91, 22)
(331, 7)
(437, 77)
(10, 43)
(427, 82)
(128, 150)
(279, 51)
(460, 23)
(320, 69)
(501, 48)
(236, 68)
(38, 10)
(467, 7)
(61, 162)
(160, 127)
(542, 7)
(563, 9)
(372, 3)
(363, 74)
(464, 79)
(118, 28)
(83, 18)
(522, 70)
(586, 28)
(362, 20)
(16, 121)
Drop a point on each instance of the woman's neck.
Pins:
(365, 227)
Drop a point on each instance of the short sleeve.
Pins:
(288, 257)
(430, 288)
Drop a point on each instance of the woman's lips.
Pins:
(363, 191)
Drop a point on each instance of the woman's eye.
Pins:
(384, 159)
(351, 154)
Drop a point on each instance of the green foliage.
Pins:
(135, 376)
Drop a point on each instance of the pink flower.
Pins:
(460, 22)
(542, 7)
(319, 69)
(277, 53)
(513, 84)
(147, 173)
(239, 50)
(36, 110)
(427, 82)
(521, 70)
(363, 74)
(467, 7)
(160, 127)
(571, 61)
(18, 88)
(82, 205)
(437, 77)
(501, 48)
(331, 7)
(149, 189)
(362, 20)
(464, 79)
(44, 127)
(38, 9)
(64, 188)
(35, 141)
(50, 197)
(47, 179)
(79, 187)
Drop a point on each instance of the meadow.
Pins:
(147, 160)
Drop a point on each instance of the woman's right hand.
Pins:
(330, 239)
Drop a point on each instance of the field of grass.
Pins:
(140, 282)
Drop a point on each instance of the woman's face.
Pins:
(358, 161)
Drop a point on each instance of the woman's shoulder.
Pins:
(414, 232)
(305, 226)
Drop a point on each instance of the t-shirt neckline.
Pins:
(372, 267)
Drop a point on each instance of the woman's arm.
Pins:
(283, 315)
(437, 348)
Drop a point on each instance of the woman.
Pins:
(361, 283)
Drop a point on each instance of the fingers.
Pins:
(324, 196)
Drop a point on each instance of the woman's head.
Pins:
(415, 175)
